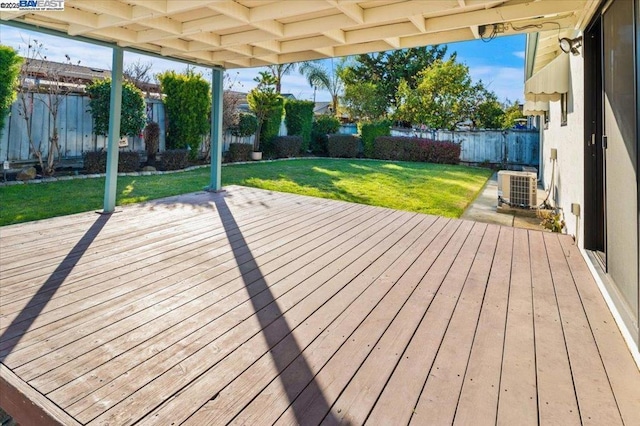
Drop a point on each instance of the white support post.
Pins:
(115, 108)
(216, 128)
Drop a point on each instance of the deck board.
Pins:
(253, 306)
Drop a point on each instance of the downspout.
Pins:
(115, 109)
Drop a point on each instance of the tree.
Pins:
(52, 80)
(188, 104)
(387, 69)
(444, 96)
(132, 114)
(511, 114)
(319, 77)
(10, 64)
(362, 101)
(280, 70)
(489, 114)
(139, 73)
(264, 100)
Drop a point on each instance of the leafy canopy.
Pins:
(386, 70)
(188, 103)
(132, 116)
(264, 101)
(10, 63)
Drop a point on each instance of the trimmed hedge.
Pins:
(287, 146)
(174, 159)
(96, 161)
(346, 146)
(271, 127)
(323, 126)
(239, 152)
(400, 148)
(247, 125)
(370, 131)
(299, 120)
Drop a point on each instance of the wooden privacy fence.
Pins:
(509, 147)
(75, 129)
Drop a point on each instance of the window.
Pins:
(563, 109)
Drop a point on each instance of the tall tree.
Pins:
(319, 77)
(280, 70)
(387, 69)
(444, 96)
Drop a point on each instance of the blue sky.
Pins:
(498, 63)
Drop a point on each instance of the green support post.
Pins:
(115, 108)
(216, 128)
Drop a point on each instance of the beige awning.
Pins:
(535, 106)
(550, 82)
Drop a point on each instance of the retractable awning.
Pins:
(548, 83)
(535, 106)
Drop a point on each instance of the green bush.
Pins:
(345, 146)
(174, 159)
(287, 146)
(399, 148)
(188, 104)
(9, 72)
(152, 140)
(247, 125)
(96, 161)
(132, 116)
(271, 127)
(299, 120)
(239, 152)
(323, 126)
(369, 131)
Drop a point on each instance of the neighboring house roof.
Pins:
(322, 108)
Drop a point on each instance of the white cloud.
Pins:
(519, 54)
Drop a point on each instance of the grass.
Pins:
(419, 187)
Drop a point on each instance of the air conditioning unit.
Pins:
(517, 189)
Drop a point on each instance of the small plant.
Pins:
(552, 220)
(246, 126)
(152, 140)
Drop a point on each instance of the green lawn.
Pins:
(419, 187)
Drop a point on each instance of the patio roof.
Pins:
(249, 33)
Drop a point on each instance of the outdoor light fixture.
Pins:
(571, 45)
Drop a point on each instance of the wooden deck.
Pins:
(257, 307)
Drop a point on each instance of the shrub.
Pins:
(96, 161)
(132, 116)
(369, 131)
(128, 161)
(174, 159)
(271, 127)
(323, 126)
(152, 140)
(399, 148)
(347, 146)
(239, 152)
(247, 125)
(188, 104)
(9, 72)
(299, 120)
(287, 146)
